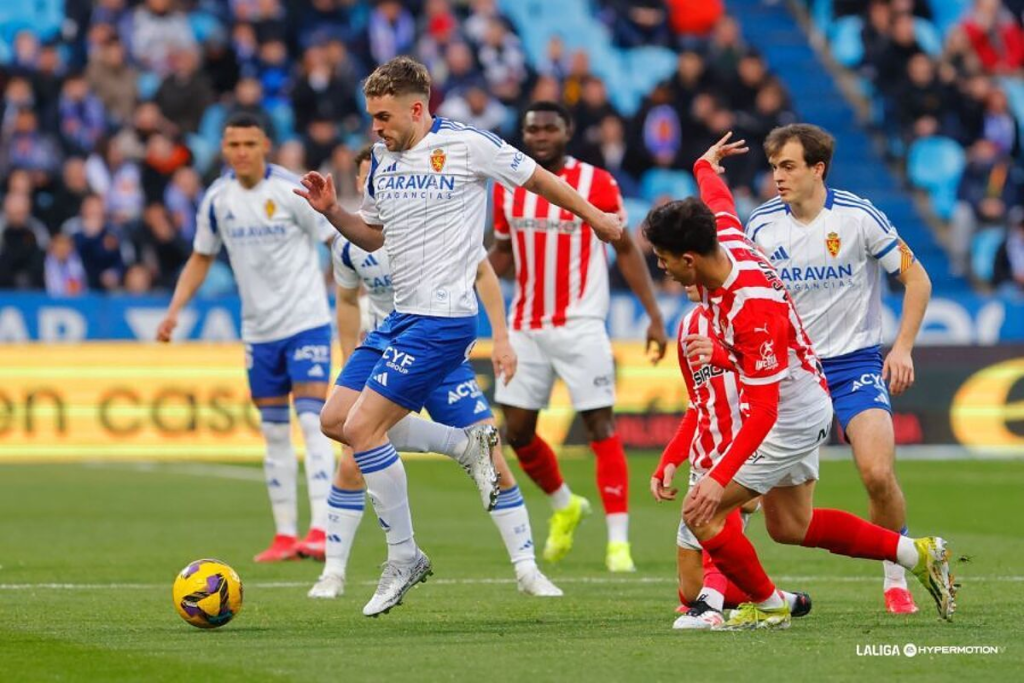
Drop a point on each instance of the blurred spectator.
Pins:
(246, 48)
(725, 48)
(322, 91)
(182, 198)
(220, 64)
(611, 153)
(113, 80)
(115, 176)
(341, 20)
(270, 21)
(556, 62)
(751, 76)
(438, 29)
(138, 280)
(478, 24)
(996, 36)
(157, 30)
(82, 119)
(636, 23)
(968, 108)
(18, 95)
(503, 61)
(63, 270)
(1008, 270)
(343, 168)
(660, 130)
(22, 239)
(694, 17)
(958, 57)
(249, 100)
(998, 124)
(320, 140)
(163, 247)
(292, 156)
(163, 158)
(47, 81)
(890, 66)
(274, 73)
(474, 106)
(922, 105)
(67, 194)
(690, 79)
(26, 49)
(547, 89)
(990, 185)
(592, 108)
(24, 146)
(875, 34)
(460, 69)
(392, 30)
(572, 84)
(186, 92)
(98, 246)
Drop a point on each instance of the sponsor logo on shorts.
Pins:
(873, 382)
(604, 381)
(468, 389)
(399, 361)
(314, 353)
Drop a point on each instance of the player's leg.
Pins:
(345, 507)
(701, 604)
(269, 385)
(581, 354)
(871, 435)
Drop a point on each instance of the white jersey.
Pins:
(271, 235)
(432, 202)
(831, 267)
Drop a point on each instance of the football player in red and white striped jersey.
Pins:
(557, 322)
(775, 452)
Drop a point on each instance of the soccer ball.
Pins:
(207, 593)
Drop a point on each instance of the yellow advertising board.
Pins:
(130, 400)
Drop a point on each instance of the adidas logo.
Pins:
(384, 525)
(334, 538)
(780, 254)
(479, 407)
(370, 261)
(274, 483)
(381, 379)
(321, 475)
(316, 371)
(391, 169)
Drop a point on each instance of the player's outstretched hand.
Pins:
(504, 358)
(702, 502)
(722, 149)
(166, 328)
(608, 228)
(661, 487)
(657, 341)
(898, 370)
(319, 191)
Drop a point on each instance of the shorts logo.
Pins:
(270, 208)
(381, 379)
(603, 381)
(399, 361)
(833, 243)
(316, 371)
(437, 159)
(480, 407)
(468, 389)
(768, 361)
(314, 353)
(868, 379)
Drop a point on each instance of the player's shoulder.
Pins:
(216, 189)
(693, 317)
(281, 176)
(850, 206)
(450, 130)
(765, 215)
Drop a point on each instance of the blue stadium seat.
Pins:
(658, 182)
(928, 37)
(203, 153)
(149, 83)
(211, 124)
(935, 164)
(847, 45)
(947, 13)
(204, 25)
(984, 246)
(636, 211)
(284, 121)
(822, 15)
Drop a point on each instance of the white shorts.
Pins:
(580, 353)
(788, 456)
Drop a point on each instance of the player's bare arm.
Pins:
(191, 278)
(898, 368)
(634, 270)
(502, 355)
(607, 226)
(320, 193)
(723, 149)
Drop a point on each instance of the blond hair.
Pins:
(397, 77)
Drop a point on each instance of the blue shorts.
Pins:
(855, 382)
(275, 366)
(459, 402)
(409, 357)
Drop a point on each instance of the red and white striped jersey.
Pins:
(714, 396)
(561, 265)
(754, 317)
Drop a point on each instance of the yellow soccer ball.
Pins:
(207, 593)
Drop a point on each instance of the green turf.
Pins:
(101, 525)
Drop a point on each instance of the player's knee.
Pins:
(599, 425)
(332, 425)
(786, 530)
(880, 481)
(517, 436)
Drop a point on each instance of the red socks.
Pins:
(612, 474)
(735, 557)
(716, 580)
(540, 464)
(845, 534)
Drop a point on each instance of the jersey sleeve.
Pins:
(761, 342)
(491, 157)
(884, 244)
(501, 226)
(716, 194)
(368, 208)
(605, 193)
(208, 239)
(345, 275)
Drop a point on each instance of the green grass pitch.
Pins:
(89, 552)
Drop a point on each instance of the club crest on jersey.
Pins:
(270, 208)
(437, 159)
(833, 243)
(906, 256)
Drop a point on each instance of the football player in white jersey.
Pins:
(458, 402)
(426, 203)
(827, 245)
(271, 236)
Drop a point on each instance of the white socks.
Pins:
(895, 574)
(561, 498)
(906, 553)
(618, 527)
(388, 489)
(280, 469)
(513, 522)
(344, 512)
(319, 459)
(413, 434)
